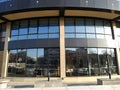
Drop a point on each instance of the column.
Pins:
(117, 45)
(62, 49)
(5, 53)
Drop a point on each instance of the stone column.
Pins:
(5, 54)
(62, 49)
(117, 45)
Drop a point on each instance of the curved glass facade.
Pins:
(90, 61)
(87, 28)
(34, 62)
(80, 61)
(43, 28)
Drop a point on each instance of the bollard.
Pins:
(48, 76)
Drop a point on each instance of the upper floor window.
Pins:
(87, 28)
(2, 32)
(35, 29)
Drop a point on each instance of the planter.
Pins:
(51, 83)
(106, 81)
(3, 83)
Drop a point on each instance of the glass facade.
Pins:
(87, 28)
(80, 60)
(42, 28)
(90, 61)
(34, 62)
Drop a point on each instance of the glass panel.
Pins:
(80, 36)
(3, 34)
(14, 38)
(69, 35)
(100, 36)
(23, 31)
(41, 65)
(80, 25)
(90, 28)
(21, 63)
(15, 25)
(53, 59)
(43, 26)
(14, 32)
(93, 62)
(112, 61)
(99, 26)
(34, 36)
(107, 27)
(76, 62)
(31, 61)
(69, 25)
(33, 26)
(23, 27)
(12, 63)
(102, 53)
(108, 36)
(53, 35)
(23, 37)
(43, 36)
(91, 36)
(53, 25)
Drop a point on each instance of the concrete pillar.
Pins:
(5, 54)
(62, 49)
(117, 45)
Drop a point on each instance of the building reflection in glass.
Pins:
(90, 61)
(34, 62)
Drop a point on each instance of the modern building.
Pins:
(68, 38)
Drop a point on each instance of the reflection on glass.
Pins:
(90, 26)
(23, 31)
(80, 35)
(70, 36)
(100, 36)
(99, 26)
(69, 25)
(14, 38)
(31, 61)
(76, 62)
(42, 36)
(14, 32)
(107, 27)
(53, 36)
(12, 63)
(34, 62)
(108, 36)
(2, 32)
(33, 36)
(93, 28)
(90, 61)
(53, 25)
(23, 37)
(43, 26)
(23, 27)
(41, 65)
(33, 26)
(91, 36)
(102, 53)
(80, 26)
(93, 61)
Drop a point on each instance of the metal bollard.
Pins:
(48, 76)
